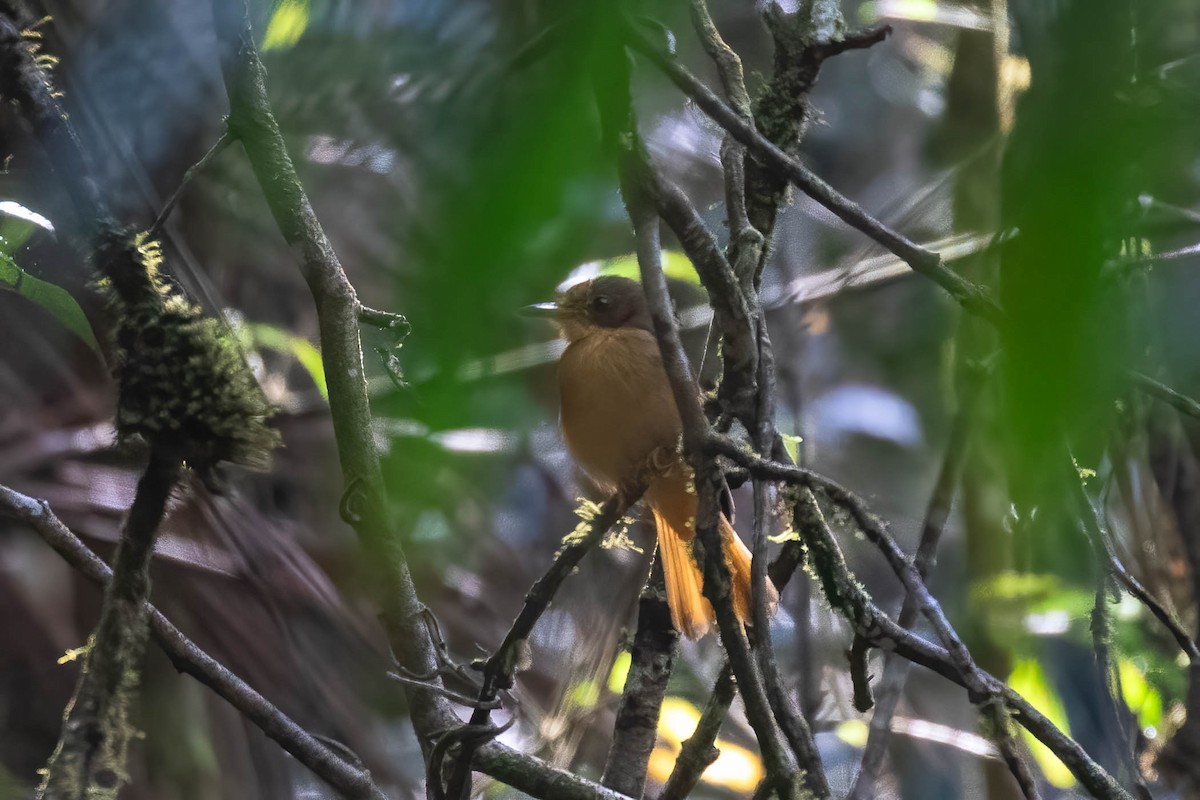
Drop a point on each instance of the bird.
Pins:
(621, 425)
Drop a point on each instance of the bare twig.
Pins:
(218, 147)
(973, 298)
(384, 320)
(253, 124)
(1098, 532)
(1180, 402)
(895, 671)
(499, 669)
(698, 752)
(845, 595)
(350, 781)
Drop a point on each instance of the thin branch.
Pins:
(218, 147)
(698, 751)
(844, 594)
(973, 298)
(449, 694)
(253, 124)
(384, 320)
(1098, 532)
(499, 669)
(780, 766)
(895, 671)
(187, 657)
(852, 602)
(1180, 402)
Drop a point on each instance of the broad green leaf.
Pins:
(17, 224)
(53, 299)
(675, 265)
(1029, 680)
(287, 24)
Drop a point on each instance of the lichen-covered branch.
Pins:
(651, 660)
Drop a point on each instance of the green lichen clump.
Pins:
(184, 384)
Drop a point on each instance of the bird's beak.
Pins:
(540, 310)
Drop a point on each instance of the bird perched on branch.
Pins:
(622, 427)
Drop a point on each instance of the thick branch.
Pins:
(652, 658)
(93, 747)
(254, 125)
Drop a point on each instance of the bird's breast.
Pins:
(617, 406)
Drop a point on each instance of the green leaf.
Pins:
(53, 299)
(310, 358)
(792, 445)
(675, 265)
(1028, 679)
(287, 24)
(262, 335)
(1142, 698)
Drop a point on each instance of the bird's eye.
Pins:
(599, 302)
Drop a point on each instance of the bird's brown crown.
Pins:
(609, 301)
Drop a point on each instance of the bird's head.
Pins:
(609, 301)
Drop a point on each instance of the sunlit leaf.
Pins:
(1029, 680)
(1142, 698)
(620, 671)
(287, 24)
(262, 335)
(17, 224)
(792, 445)
(310, 358)
(675, 265)
(54, 299)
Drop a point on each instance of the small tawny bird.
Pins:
(621, 425)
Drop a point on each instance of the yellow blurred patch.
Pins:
(1028, 679)
(853, 732)
(287, 24)
(620, 671)
(736, 768)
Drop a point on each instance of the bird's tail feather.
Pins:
(674, 507)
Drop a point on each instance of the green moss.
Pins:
(184, 383)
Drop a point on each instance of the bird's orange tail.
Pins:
(674, 508)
